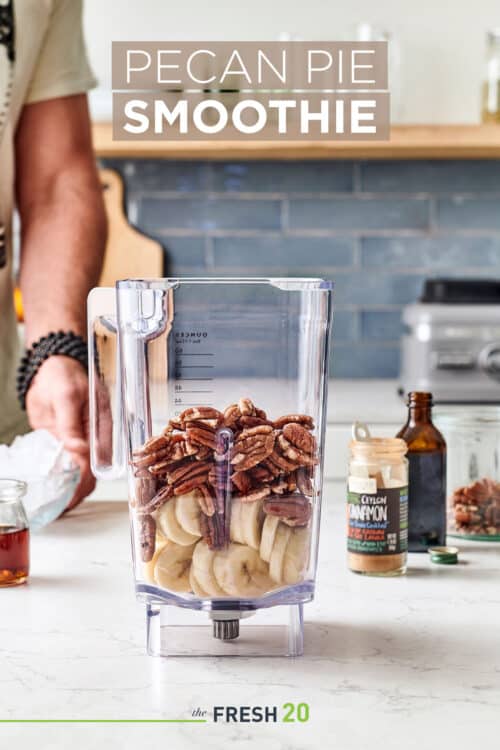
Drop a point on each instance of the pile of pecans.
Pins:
(237, 453)
(476, 508)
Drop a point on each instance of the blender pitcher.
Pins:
(211, 395)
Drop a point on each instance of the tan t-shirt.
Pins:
(42, 56)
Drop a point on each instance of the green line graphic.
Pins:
(103, 721)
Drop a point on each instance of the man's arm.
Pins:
(63, 238)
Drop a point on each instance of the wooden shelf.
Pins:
(407, 142)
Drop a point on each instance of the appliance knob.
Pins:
(489, 360)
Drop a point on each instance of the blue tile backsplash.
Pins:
(378, 229)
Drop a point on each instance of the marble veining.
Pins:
(388, 663)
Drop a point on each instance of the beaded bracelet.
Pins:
(67, 343)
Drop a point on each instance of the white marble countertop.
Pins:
(390, 663)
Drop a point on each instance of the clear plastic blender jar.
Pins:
(210, 394)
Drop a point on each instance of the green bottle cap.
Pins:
(444, 555)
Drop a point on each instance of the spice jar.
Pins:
(473, 478)
(377, 506)
(14, 534)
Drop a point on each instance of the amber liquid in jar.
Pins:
(14, 555)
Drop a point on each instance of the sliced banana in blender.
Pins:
(269, 529)
(235, 527)
(196, 587)
(170, 526)
(148, 568)
(277, 558)
(251, 518)
(187, 511)
(203, 562)
(240, 571)
(296, 556)
(172, 567)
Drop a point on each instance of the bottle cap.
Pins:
(444, 555)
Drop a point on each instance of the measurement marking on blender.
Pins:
(193, 379)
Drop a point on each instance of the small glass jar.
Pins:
(14, 534)
(473, 475)
(377, 507)
(490, 110)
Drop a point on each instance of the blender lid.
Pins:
(461, 292)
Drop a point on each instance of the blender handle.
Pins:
(105, 393)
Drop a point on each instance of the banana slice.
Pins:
(203, 562)
(235, 527)
(170, 527)
(277, 559)
(296, 556)
(172, 567)
(195, 586)
(240, 571)
(268, 534)
(148, 568)
(251, 519)
(187, 511)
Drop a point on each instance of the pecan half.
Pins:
(202, 435)
(281, 463)
(231, 416)
(159, 499)
(299, 437)
(241, 481)
(253, 445)
(213, 530)
(195, 413)
(153, 445)
(295, 454)
(205, 500)
(254, 495)
(147, 537)
(302, 419)
(294, 510)
(145, 460)
(144, 490)
(304, 481)
(246, 407)
(253, 422)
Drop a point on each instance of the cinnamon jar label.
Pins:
(377, 524)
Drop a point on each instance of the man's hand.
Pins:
(58, 401)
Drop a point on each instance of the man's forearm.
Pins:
(63, 240)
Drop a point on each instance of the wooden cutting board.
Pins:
(129, 253)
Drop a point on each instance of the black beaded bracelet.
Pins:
(67, 343)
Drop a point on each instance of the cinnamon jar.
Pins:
(377, 506)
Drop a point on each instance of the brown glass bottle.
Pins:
(427, 475)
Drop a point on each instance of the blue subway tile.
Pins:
(280, 176)
(359, 214)
(208, 214)
(369, 288)
(381, 324)
(364, 361)
(468, 213)
(441, 252)
(430, 176)
(183, 252)
(345, 325)
(288, 255)
(163, 174)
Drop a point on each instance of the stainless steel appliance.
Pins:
(451, 342)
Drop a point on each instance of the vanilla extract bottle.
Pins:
(427, 475)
